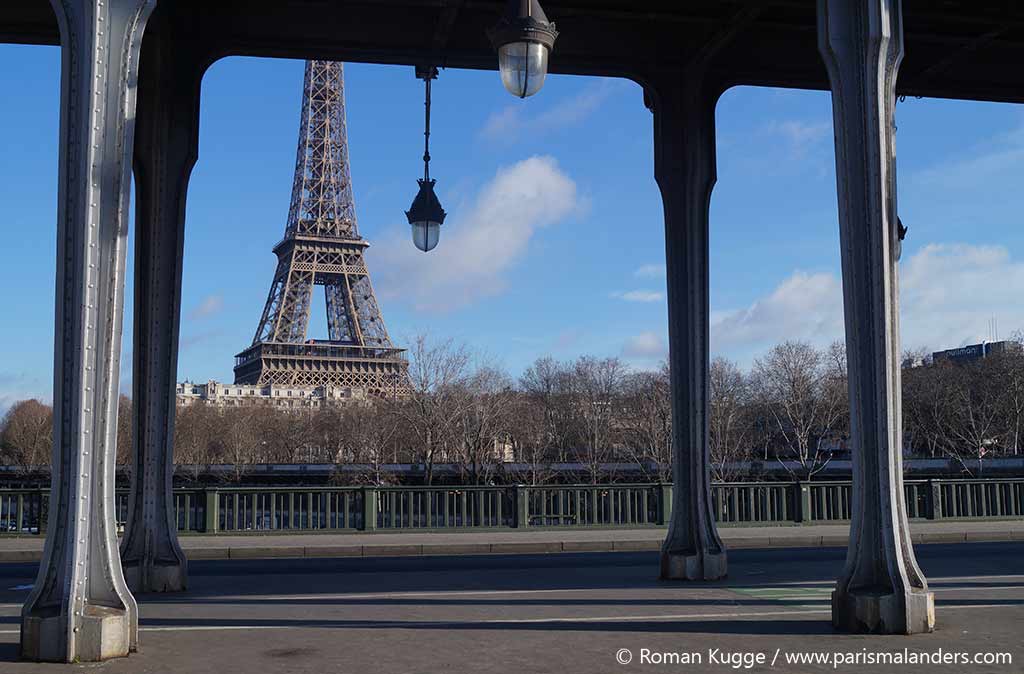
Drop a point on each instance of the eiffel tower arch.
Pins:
(322, 246)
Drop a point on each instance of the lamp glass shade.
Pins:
(523, 66)
(425, 216)
(425, 234)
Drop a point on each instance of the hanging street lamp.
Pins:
(426, 215)
(523, 37)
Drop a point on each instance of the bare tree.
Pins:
(797, 390)
(912, 358)
(646, 422)
(238, 439)
(333, 429)
(483, 427)
(528, 435)
(369, 432)
(437, 374)
(729, 423)
(974, 418)
(928, 403)
(836, 389)
(124, 431)
(547, 386)
(1007, 371)
(26, 435)
(194, 427)
(597, 385)
(287, 437)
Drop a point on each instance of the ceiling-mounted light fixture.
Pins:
(524, 38)
(426, 215)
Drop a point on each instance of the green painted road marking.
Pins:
(795, 592)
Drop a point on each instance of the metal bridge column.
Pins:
(166, 148)
(80, 608)
(881, 589)
(684, 166)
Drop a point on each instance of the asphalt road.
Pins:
(546, 613)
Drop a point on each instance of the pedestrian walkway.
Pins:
(506, 541)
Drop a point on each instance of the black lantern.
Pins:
(523, 37)
(426, 215)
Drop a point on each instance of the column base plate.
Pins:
(158, 577)
(104, 633)
(693, 566)
(874, 613)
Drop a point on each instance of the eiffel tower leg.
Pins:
(80, 608)
(684, 113)
(166, 148)
(881, 588)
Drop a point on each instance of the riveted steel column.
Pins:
(881, 588)
(80, 608)
(684, 166)
(166, 147)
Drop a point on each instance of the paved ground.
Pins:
(565, 613)
(506, 541)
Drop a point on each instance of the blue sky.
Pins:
(554, 241)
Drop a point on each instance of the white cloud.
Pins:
(948, 293)
(640, 295)
(646, 345)
(210, 306)
(804, 306)
(650, 271)
(567, 339)
(198, 338)
(509, 123)
(503, 123)
(800, 135)
(979, 168)
(479, 243)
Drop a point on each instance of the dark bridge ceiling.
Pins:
(954, 48)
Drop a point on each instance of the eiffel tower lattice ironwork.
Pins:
(322, 246)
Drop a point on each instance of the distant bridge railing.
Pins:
(265, 509)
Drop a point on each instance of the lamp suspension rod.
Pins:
(426, 131)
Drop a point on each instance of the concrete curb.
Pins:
(773, 540)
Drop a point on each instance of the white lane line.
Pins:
(508, 621)
(1011, 576)
(498, 621)
(763, 594)
(630, 618)
(414, 595)
(692, 616)
(504, 593)
(298, 598)
(939, 579)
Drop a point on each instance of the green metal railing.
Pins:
(262, 509)
(21, 511)
(756, 502)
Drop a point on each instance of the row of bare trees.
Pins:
(967, 412)
(26, 433)
(585, 416)
(790, 408)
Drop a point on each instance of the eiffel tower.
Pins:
(322, 246)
